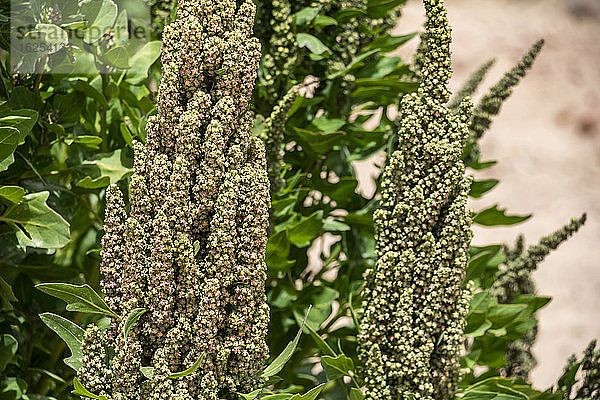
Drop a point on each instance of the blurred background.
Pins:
(547, 143)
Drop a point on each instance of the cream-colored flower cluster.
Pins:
(415, 300)
(191, 249)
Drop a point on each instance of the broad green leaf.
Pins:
(142, 61)
(36, 224)
(327, 125)
(356, 394)
(381, 8)
(312, 43)
(6, 292)
(353, 314)
(148, 372)
(323, 20)
(50, 38)
(78, 298)
(111, 171)
(278, 248)
(188, 371)
(319, 142)
(250, 396)
(8, 348)
(70, 333)
(306, 15)
(279, 396)
(120, 30)
(91, 92)
(346, 14)
(92, 142)
(118, 57)
(279, 362)
(24, 120)
(494, 216)
(479, 188)
(104, 20)
(302, 233)
(312, 394)
(336, 367)
(9, 140)
(12, 194)
(97, 183)
(387, 42)
(81, 391)
(354, 64)
(132, 318)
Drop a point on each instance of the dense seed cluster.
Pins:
(471, 85)
(415, 302)
(516, 279)
(191, 249)
(273, 134)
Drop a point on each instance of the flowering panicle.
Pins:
(491, 103)
(471, 85)
(191, 250)
(273, 134)
(515, 279)
(587, 371)
(415, 302)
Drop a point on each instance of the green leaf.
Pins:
(250, 396)
(142, 61)
(478, 188)
(302, 233)
(312, 43)
(105, 19)
(148, 372)
(323, 20)
(9, 140)
(8, 348)
(346, 14)
(12, 194)
(6, 292)
(354, 64)
(327, 125)
(312, 394)
(356, 394)
(188, 371)
(78, 298)
(320, 342)
(111, 171)
(279, 362)
(118, 57)
(387, 43)
(91, 92)
(278, 249)
(337, 367)
(381, 8)
(70, 333)
(81, 391)
(132, 318)
(36, 224)
(306, 15)
(494, 216)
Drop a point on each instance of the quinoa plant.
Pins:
(186, 264)
(516, 280)
(415, 302)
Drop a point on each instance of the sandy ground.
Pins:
(547, 142)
